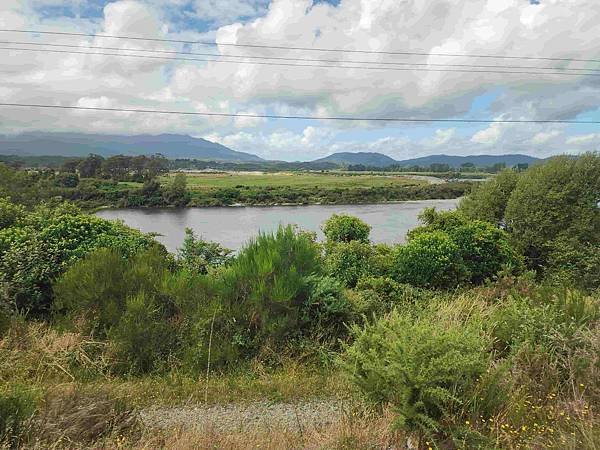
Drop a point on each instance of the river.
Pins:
(232, 226)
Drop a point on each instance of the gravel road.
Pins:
(252, 416)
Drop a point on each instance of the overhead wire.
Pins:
(288, 47)
(282, 64)
(279, 58)
(302, 117)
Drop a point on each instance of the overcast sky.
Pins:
(548, 28)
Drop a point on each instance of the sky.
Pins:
(540, 28)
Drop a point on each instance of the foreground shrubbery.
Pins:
(448, 333)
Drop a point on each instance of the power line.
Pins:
(276, 58)
(315, 49)
(282, 64)
(299, 117)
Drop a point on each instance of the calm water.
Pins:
(232, 226)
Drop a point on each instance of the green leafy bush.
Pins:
(42, 245)
(349, 261)
(345, 228)
(429, 259)
(424, 369)
(484, 248)
(10, 213)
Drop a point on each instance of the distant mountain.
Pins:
(78, 144)
(364, 158)
(380, 160)
(477, 160)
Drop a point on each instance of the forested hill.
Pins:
(365, 158)
(380, 160)
(77, 144)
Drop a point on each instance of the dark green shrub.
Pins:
(327, 312)
(10, 213)
(97, 288)
(17, 407)
(423, 368)
(144, 338)
(345, 228)
(349, 261)
(429, 259)
(262, 294)
(484, 248)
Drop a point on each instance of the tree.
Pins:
(556, 203)
(345, 228)
(488, 200)
(90, 167)
(177, 193)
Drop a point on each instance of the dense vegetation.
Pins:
(142, 182)
(481, 331)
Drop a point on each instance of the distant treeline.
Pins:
(438, 168)
(123, 166)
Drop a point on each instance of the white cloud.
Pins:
(545, 136)
(488, 136)
(584, 139)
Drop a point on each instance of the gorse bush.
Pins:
(345, 228)
(423, 368)
(265, 288)
(109, 296)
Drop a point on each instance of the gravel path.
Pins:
(252, 416)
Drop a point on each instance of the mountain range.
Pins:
(187, 147)
(77, 144)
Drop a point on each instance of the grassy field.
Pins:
(294, 180)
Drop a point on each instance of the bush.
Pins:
(10, 213)
(429, 259)
(375, 296)
(420, 367)
(484, 248)
(144, 339)
(44, 243)
(349, 261)
(261, 296)
(199, 255)
(327, 312)
(344, 228)
(17, 407)
(98, 287)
